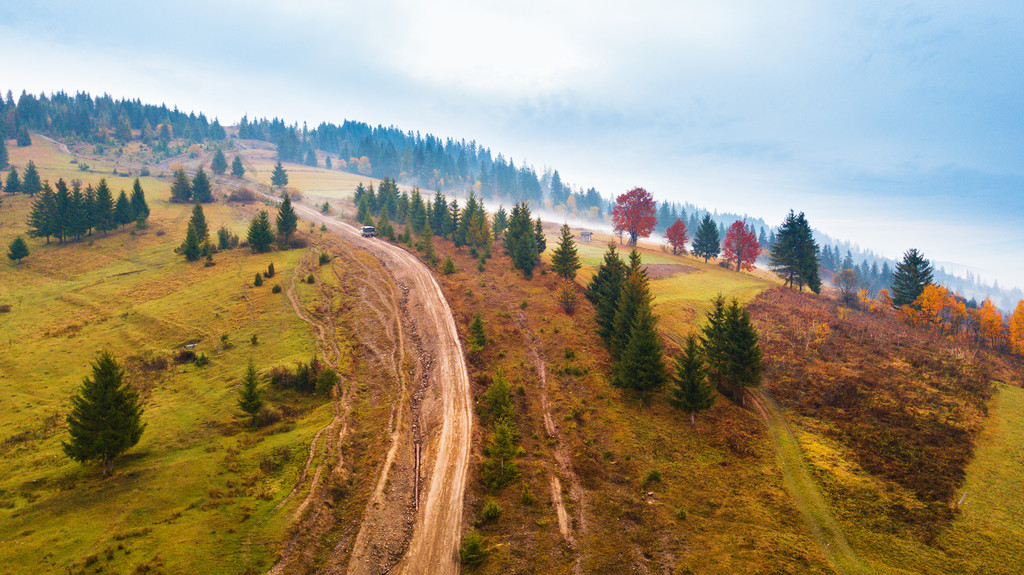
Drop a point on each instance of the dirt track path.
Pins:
(445, 411)
(827, 531)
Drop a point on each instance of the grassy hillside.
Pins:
(196, 494)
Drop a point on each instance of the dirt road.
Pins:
(445, 413)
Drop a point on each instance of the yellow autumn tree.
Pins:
(990, 323)
(1017, 329)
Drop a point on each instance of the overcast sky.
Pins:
(891, 124)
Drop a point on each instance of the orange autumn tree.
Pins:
(990, 323)
(1016, 325)
(940, 308)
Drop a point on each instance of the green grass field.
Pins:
(195, 494)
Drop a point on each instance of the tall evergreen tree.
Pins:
(249, 399)
(500, 222)
(30, 182)
(202, 193)
(123, 210)
(439, 213)
(80, 210)
(191, 248)
(743, 365)
(690, 391)
(604, 289)
(62, 217)
(542, 242)
(219, 164)
(17, 249)
(40, 218)
(106, 416)
(287, 221)
(279, 178)
(198, 221)
(521, 240)
(181, 189)
(13, 183)
(452, 227)
(910, 278)
(635, 296)
(706, 241)
(714, 341)
(140, 209)
(4, 158)
(564, 260)
(260, 234)
(794, 255)
(641, 365)
(237, 169)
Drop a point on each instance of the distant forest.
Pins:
(412, 159)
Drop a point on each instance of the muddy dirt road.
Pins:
(445, 411)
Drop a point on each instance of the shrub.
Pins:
(255, 339)
(144, 172)
(225, 239)
(523, 304)
(324, 258)
(326, 381)
(185, 356)
(258, 281)
(201, 360)
(448, 267)
(681, 514)
(243, 195)
(310, 279)
(491, 512)
(472, 550)
(567, 298)
(652, 477)
(527, 495)
(480, 267)
(270, 270)
(276, 288)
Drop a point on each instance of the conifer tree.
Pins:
(249, 400)
(219, 164)
(4, 159)
(279, 178)
(123, 210)
(477, 334)
(201, 190)
(439, 214)
(192, 247)
(564, 260)
(426, 243)
(30, 182)
(260, 234)
(140, 209)
(690, 391)
(641, 365)
(910, 278)
(198, 221)
(81, 209)
(500, 222)
(714, 341)
(542, 242)
(13, 183)
(706, 243)
(106, 416)
(287, 221)
(17, 249)
(451, 231)
(604, 289)
(384, 227)
(237, 169)
(743, 365)
(635, 296)
(794, 255)
(40, 218)
(181, 189)
(521, 240)
(62, 216)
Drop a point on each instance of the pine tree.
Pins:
(237, 169)
(260, 234)
(40, 218)
(706, 242)
(635, 296)
(219, 164)
(17, 249)
(794, 255)
(521, 240)
(249, 399)
(564, 260)
(4, 159)
(384, 227)
(690, 391)
(604, 289)
(279, 178)
(477, 334)
(81, 209)
(62, 215)
(641, 365)
(30, 182)
(201, 190)
(714, 341)
(192, 247)
(13, 184)
(426, 243)
(140, 209)
(106, 416)
(311, 158)
(123, 210)
(542, 242)
(743, 367)
(181, 189)
(500, 222)
(910, 278)
(198, 221)
(287, 221)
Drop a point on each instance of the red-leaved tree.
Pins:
(741, 246)
(634, 214)
(677, 238)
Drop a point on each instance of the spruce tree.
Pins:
(521, 240)
(287, 221)
(714, 341)
(13, 184)
(106, 416)
(140, 209)
(641, 365)
(279, 178)
(542, 242)
(192, 247)
(17, 249)
(477, 334)
(30, 182)
(604, 289)
(500, 222)
(40, 218)
(4, 159)
(237, 169)
(384, 227)
(706, 241)
(635, 296)
(690, 391)
(202, 193)
(794, 255)
(564, 259)
(80, 208)
(219, 164)
(743, 367)
(249, 399)
(104, 208)
(260, 234)
(910, 278)
(123, 210)
(181, 189)
(198, 221)
(62, 217)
